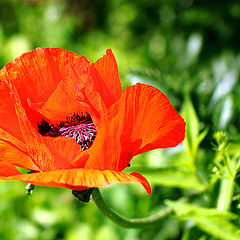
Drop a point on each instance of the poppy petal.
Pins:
(37, 73)
(6, 136)
(80, 178)
(62, 102)
(8, 117)
(108, 70)
(93, 98)
(7, 169)
(36, 146)
(142, 120)
(63, 149)
(96, 87)
(103, 87)
(12, 154)
(143, 181)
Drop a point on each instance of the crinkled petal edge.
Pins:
(78, 179)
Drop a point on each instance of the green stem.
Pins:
(225, 194)
(125, 222)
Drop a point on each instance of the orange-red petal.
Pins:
(37, 73)
(36, 146)
(108, 70)
(142, 120)
(9, 153)
(80, 178)
(62, 102)
(6, 136)
(95, 87)
(7, 169)
(63, 150)
(8, 117)
(105, 79)
(103, 86)
(14, 151)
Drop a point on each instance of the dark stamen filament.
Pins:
(83, 133)
(79, 127)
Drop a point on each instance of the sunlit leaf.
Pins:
(192, 130)
(234, 146)
(218, 227)
(190, 116)
(214, 222)
(186, 211)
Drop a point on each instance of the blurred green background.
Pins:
(189, 50)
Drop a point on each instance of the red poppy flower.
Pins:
(68, 120)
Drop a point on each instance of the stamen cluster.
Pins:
(79, 127)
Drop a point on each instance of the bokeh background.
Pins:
(190, 50)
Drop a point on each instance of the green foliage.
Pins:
(190, 51)
(193, 136)
(212, 221)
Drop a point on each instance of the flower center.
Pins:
(81, 128)
(83, 133)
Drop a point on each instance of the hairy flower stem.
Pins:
(225, 194)
(147, 222)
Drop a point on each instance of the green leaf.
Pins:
(172, 177)
(201, 136)
(234, 146)
(192, 130)
(214, 222)
(191, 118)
(186, 211)
(199, 139)
(218, 227)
